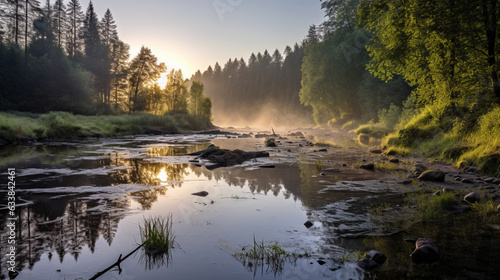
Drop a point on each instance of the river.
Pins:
(79, 205)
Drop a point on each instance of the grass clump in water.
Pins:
(157, 235)
(272, 256)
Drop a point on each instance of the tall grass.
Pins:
(272, 256)
(157, 235)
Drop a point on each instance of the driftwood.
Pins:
(117, 263)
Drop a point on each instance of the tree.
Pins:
(119, 70)
(108, 29)
(196, 98)
(144, 69)
(59, 22)
(32, 9)
(444, 57)
(75, 21)
(96, 54)
(176, 92)
(43, 39)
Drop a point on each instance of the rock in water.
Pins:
(308, 224)
(367, 264)
(426, 251)
(368, 166)
(472, 197)
(432, 175)
(377, 257)
(202, 193)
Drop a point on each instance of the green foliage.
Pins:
(487, 211)
(157, 234)
(16, 127)
(451, 63)
(60, 125)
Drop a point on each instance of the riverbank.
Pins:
(309, 196)
(19, 127)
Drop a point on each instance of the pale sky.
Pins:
(193, 34)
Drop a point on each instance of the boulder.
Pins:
(308, 224)
(367, 166)
(377, 256)
(376, 151)
(426, 251)
(367, 264)
(432, 175)
(271, 143)
(468, 181)
(472, 197)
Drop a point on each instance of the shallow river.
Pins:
(79, 206)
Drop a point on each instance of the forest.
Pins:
(397, 72)
(55, 57)
(261, 92)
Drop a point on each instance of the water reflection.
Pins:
(81, 194)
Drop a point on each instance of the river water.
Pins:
(80, 204)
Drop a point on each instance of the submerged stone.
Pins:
(202, 193)
(426, 251)
(377, 256)
(367, 264)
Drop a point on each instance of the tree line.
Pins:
(55, 57)
(369, 54)
(263, 90)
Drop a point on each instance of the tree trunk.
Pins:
(490, 22)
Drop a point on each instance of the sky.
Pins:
(192, 34)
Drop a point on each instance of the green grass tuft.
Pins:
(157, 234)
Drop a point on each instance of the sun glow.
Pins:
(162, 175)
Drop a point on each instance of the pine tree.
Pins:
(59, 22)
(108, 29)
(75, 21)
(119, 70)
(96, 58)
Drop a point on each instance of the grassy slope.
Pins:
(15, 127)
(450, 139)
